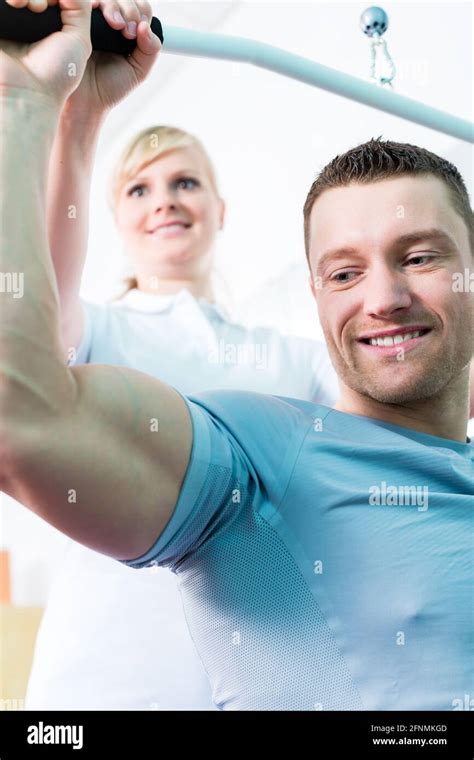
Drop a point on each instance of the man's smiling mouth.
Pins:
(394, 337)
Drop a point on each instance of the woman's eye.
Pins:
(135, 187)
(185, 180)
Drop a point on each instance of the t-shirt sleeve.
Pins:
(244, 449)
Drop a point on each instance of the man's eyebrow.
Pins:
(409, 238)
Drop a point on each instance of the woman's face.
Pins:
(168, 216)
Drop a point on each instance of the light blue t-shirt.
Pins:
(326, 560)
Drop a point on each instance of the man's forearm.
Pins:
(471, 387)
(34, 381)
(70, 173)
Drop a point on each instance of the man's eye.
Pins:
(342, 277)
(416, 259)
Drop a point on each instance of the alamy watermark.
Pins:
(463, 282)
(12, 704)
(414, 496)
(46, 734)
(12, 282)
(466, 702)
(239, 353)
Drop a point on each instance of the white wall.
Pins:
(268, 136)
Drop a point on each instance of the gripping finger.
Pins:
(37, 6)
(123, 15)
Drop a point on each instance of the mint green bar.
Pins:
(210, 45)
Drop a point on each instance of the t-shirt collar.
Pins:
(157, 303)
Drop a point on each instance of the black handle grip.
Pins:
(22, 25)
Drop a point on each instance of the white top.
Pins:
(113, 637)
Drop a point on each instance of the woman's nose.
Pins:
(163, 200)
(161, 195)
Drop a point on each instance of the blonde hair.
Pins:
(142, 150)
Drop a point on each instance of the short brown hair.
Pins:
(378, 159)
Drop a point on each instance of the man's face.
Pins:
(387, 289)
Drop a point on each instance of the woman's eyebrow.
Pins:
(146, 178)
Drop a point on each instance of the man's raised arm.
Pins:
(99, 452)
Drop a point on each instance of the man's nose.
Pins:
(387, 291)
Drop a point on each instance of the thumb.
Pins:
(146, 51)
(76, 20)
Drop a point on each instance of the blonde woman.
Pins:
(112, 638)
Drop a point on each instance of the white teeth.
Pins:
(170, 227)
(392, 340)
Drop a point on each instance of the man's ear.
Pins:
(222, 212)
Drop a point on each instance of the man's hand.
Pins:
(109, 78)
(54, 66)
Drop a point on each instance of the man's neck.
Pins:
(445, 417)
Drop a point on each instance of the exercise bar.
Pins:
(25, 26)
(226, 47)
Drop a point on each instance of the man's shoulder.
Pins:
(256, 409)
